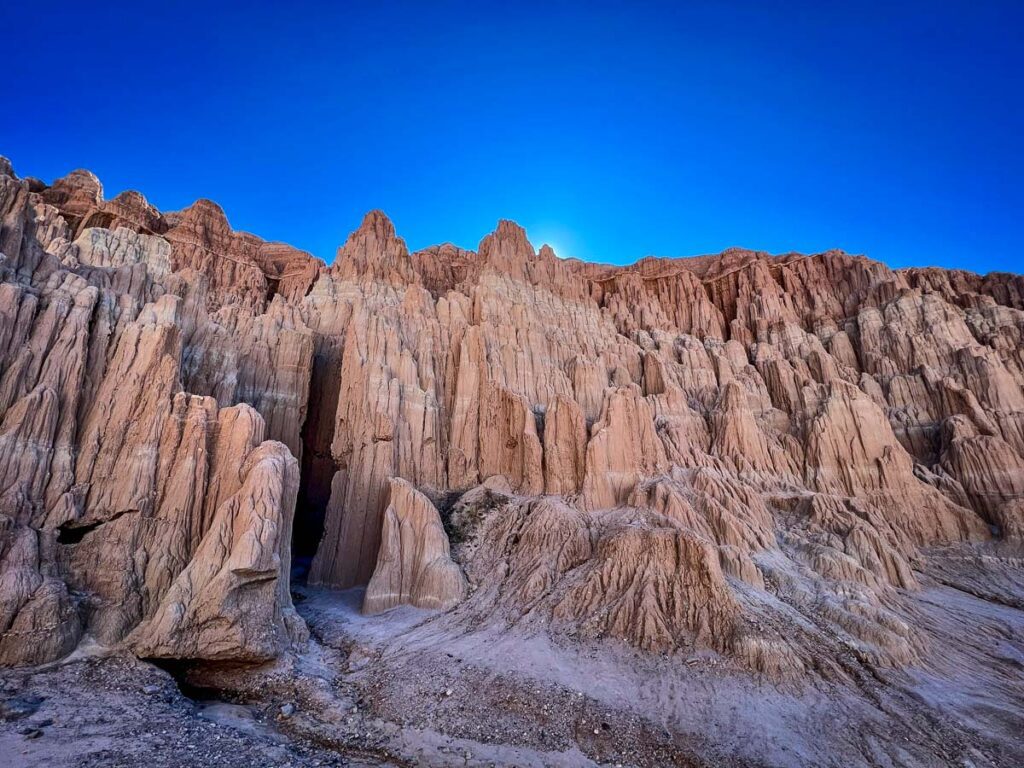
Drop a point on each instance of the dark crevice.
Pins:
(179, 671)
(68, 534)
(71, 534)
(318, 465)
(187, 673)
(273, 286)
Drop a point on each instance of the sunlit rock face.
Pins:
(752, 454)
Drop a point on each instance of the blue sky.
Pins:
(610, 130)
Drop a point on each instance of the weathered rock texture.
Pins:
(414, 565)
(150, 418)
(749, 453)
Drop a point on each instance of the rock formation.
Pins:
(139, 503)
(414, 565)
(753, 454)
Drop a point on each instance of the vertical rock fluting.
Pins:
(414, 565)
(638, 452)
(130, 508)
(231, 601)
(390, 405)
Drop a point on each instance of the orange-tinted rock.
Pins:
(565, 445)
(76, 195)
(374, 253)
(653, 585)
(241, 268)
(990, 472)
(623, 449)
(748, 452)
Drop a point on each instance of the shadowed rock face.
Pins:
(748, 453)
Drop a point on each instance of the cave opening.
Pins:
(318, 466)
(68, 534)
(273, 286)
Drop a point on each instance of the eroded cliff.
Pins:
(753, 454)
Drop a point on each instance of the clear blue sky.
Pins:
(611, 131)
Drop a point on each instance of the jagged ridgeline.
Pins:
(759, 455)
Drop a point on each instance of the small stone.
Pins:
(288, 709)
(149, 690)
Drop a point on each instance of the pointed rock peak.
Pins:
(80, 179)
(375, 237)
(506, 243)
(547, 252)
(509, 228)
(82, 184)
(375, 251)
(131, 210)
(6, 169)
(203, 216)
(377, 221)
(136, 208)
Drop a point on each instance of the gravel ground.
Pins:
(407, 689)
(117, 711)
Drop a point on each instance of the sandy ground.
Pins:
(408, 688)
(966, 708)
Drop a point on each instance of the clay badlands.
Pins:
(494, 507)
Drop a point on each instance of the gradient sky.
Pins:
(609, 130)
